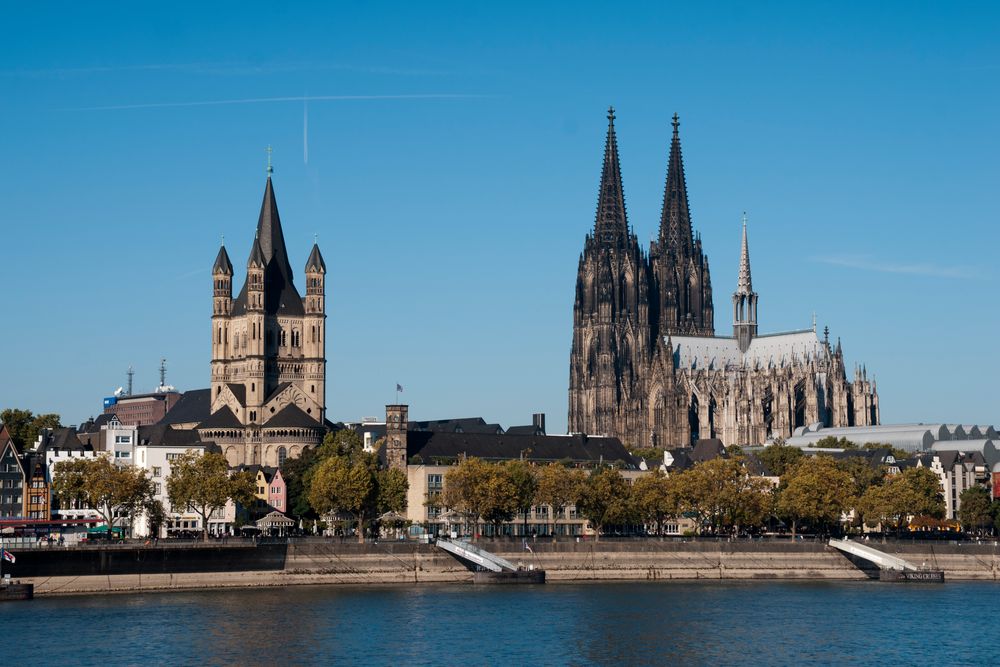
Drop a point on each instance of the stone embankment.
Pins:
(326, 562)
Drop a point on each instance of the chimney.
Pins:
(538, 421)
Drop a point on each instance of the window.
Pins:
(282, 455)
(542, 512)
(156, 471)
(173, 457)
(156, 488)
(435, 482)
(123, 440)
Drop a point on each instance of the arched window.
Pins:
(282, 455)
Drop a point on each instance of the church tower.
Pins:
(744, 299)
(268, 351)
(680, 268)
(611, 320)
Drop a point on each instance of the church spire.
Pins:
(272, 240)
(675, 218)
(744, 299)
(611, 225)
(744, 285)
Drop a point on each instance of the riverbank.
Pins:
(322, 562)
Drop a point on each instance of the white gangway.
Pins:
(473, 554)
(883, 560)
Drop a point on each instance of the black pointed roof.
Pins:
(315, 264)
(222, 264)
(675, 218)
(611, 225)
(280, 295)
(257, 259)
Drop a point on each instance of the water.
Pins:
(794, 623)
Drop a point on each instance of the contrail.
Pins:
(299, 98)
(305, 132)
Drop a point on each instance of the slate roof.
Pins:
(291, 416)
(221, 418)
(63, 439)
(192, 407)
(165, 435)
(315, 263)
(706, 450)
(765, 350)
(222, 263)
(239, 391)
(280, 295)
(277, 390)
(580, 448)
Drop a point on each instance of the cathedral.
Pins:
(646, 364)
(268, 394)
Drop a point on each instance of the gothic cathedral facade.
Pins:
(646, 365)
(268, 398)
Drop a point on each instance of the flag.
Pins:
(399, 387)
(8, 556)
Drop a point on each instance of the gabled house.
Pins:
(11, 481)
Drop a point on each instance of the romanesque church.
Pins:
(646, 364)
(268, 395)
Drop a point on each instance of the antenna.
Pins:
(163, 372)
(131, 374)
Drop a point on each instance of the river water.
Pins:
(710, 623)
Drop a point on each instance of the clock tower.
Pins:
(396, 422)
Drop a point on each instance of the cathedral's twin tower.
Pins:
(646, 365)
(268, 351)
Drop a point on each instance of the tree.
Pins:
(778, 458)
(483, 491)
(340, 485)
(975, 509)
(654, 498)
(604, 498)
(525, 486)
(833, 442)
(863, 474)
(814, 490)
(722, 494)
(202, 483)
(111, 491)
(557, 488)
(914, 492)
(392, 488)
(24, 426)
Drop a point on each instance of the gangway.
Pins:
(880, 558)
(471, 554)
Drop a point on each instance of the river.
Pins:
(710, 623)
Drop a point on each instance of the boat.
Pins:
(926, 576)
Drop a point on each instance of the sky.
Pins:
(447, 159)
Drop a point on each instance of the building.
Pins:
(38, 487)
(958, 471)
(268, 390)
(12, 482)
(142, 409)
(426, 455)
(646, 365)
(156, 448)
(908, 437)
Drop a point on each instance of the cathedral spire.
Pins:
(745, 284)
(611, 225)
(675, 218)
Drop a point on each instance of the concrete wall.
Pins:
(407, 563)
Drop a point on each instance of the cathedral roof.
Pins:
(291, 416)
(221, 418)
(222, 264)
(193, 406)
(315, 263)
(714, 352)
(280, 295)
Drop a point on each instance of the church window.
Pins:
(284, 339)
(312, 388)
(282, 455)
(253, 386)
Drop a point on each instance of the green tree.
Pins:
(557, 488)
(655, 498)
(392, 488)
(975, 509)
(778, 458)
(914, 492)
(816, 491)
(833, 442)
(203, 484)
(111, 491)
(604, 498)
(340, 485)
(481, 490)
(897, 453)
(525, 483)
(723, 495)
(23, 425)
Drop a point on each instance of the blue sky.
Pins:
(451, 192)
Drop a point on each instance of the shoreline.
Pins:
(392, 564)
